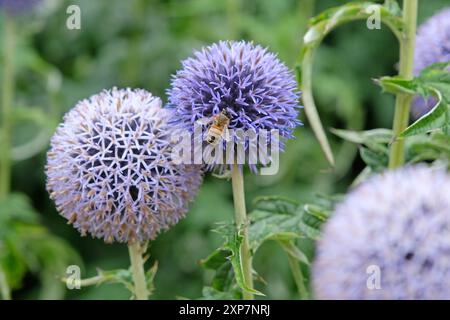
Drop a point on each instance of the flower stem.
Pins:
(305, 84)
(298, 277)
(237, 180)
(7, 99)
(403, 101)
(5, 291)
(306, 11)
(137, 269)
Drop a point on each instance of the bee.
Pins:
(218, 128)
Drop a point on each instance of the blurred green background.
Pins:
(139, 43)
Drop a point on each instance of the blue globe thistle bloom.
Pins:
(389, 239)
(432, 46)
(110, 171)
(249, 83)
(18, 6)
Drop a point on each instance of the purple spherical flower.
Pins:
(432, 46)
(110, 171)
(18, 6)
(250, 85)
(390, 239)
(433, 41)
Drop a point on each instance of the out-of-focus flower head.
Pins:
(251, 84)
(432, 46)
(18, 6)
(388, 240)
(110, 171)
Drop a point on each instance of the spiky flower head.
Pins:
(388, 240)
(251, 84)
(109, 168)
(18, 6)
(432, 46)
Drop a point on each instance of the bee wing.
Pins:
(226, 135)
(204, 121)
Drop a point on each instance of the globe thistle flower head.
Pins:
(247, 82)
(16, 7)
(432, 46)
(433, 41)
(388, 240)
(422, 105)
(109, 169)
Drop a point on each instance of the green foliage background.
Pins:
(139, 43)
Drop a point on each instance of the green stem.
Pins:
(317, 33)
(306, 12)
(237, 180)
(5, 291)
(7, 99)
(403, 101)
(310, 106)
(96, 280)
(306, 9)
(137, 269)
(298, 277)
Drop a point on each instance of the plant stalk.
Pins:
(137, 269)
(306, 11)
(403, 101)
(7, 100)
(298, 277)
(5, 291)
(237, 180)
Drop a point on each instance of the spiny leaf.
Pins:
(397, 85)
(26, 245)
(215, 259)
(433, 80)
(210, 293)
(376, 160)
(16, 207)
(273, 218)
(231, 248)
(223, 283)
(315, 216)
(275, 204)
(363, 137)
(150, 277)
(435, 119)
(291, 249)
(375, 139)
(224, 278)
(122, 276)
(428, 147)
(234, 246)
(276, 218)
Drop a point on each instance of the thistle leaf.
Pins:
(229, 252)
(433, 80)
